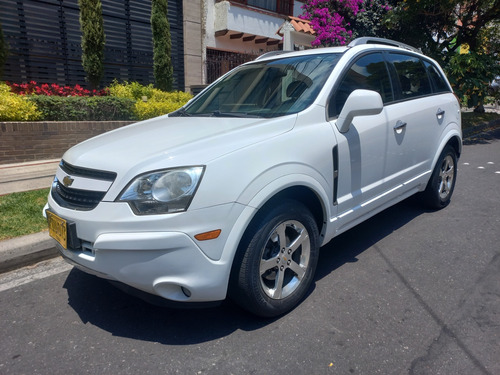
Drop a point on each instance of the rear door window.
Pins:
(411, 74)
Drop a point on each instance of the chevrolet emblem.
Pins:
(68, 181)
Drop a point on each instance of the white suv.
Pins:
(233, 194)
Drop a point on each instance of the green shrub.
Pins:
(470, 76)
(157, 102)
(160, 103)
(16, 108)
(132, 90)
(75, 108)
(109, 108)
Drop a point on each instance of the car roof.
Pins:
(361, 43)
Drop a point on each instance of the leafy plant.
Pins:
(150, 102)
(470, 75)
(160, 103)
(33, 88)
(132, 90)
(16, 108)
(336, 22)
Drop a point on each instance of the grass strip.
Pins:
(472, 119)
(21, 213)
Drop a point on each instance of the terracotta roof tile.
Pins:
(301, 25)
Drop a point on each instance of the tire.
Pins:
(441, 185)
(275, 263)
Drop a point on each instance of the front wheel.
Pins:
(442, 182)
(275, 263)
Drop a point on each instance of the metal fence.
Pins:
(220, 62)
(44, 40)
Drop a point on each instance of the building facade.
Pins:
(240, 30)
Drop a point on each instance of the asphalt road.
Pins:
(408, 292)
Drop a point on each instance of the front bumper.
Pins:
(139, 252)
(166, 264)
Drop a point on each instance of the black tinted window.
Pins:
(368, 72)
(412, 76)
(438, 82)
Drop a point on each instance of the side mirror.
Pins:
(359, 103)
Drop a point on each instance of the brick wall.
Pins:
(29, 141)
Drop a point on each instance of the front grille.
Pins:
(87, 173)
(78, 199)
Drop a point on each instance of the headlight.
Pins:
(162, 192)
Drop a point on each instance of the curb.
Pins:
(28, 250)
(486, 130)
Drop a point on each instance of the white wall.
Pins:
(226, 16)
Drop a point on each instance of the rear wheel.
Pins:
(442, 182)
(276, 261)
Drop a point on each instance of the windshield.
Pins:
(265, 88)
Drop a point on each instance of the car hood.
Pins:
(165, 142)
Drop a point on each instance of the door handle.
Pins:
(400, 125)
(440, 113)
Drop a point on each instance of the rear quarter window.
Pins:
(438, 81)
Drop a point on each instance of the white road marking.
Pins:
(29, 274)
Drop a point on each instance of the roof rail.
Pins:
(272, 53)
(387, 42)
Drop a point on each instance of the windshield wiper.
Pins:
(233, 114)
(182, 112)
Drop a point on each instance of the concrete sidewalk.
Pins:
(27, 250)
(27, 176)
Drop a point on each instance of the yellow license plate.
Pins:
(58, 229)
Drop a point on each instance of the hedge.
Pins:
(120, 102)
(84, 108)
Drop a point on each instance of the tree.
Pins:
(93, 40)
(369, 20)
(162, 45)
(442, 26)
(336, 22)
(3, 51)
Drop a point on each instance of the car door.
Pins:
(415, 122)
(361, 151)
